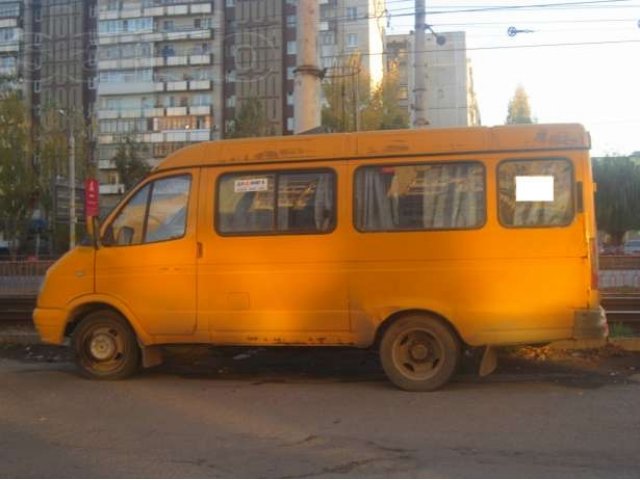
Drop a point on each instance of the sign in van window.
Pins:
(434, 196)
(535, 193)
(279, 202)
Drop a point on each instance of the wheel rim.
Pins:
(418, 354)
(104, 349)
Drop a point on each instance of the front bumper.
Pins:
(50, 323)
(590, 323)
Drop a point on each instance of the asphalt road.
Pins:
(308, 414)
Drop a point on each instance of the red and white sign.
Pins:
(91, 192)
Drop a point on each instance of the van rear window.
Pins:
(535, 193)
(276, 202)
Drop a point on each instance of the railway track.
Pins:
(620, 308)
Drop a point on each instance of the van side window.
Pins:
(434, 196)
(156, 213)
(535, 193)
(276, 202)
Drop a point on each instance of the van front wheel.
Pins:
(419, 353)
(105, 346)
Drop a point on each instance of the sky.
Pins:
(579, 61)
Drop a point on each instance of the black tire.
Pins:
(420, 353)
(105, 346)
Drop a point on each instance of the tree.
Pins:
(383, 111)
(519, 108)
(349, 101)
(130, 163)
(17, 178)
(250, 120)
(618, 196)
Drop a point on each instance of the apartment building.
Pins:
(451, 99)
(159, 79)
(13, 47)
(48, 53)
(260, 52)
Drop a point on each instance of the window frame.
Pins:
(480, 226)
(134, 192)
(274, 232)
(574, 209)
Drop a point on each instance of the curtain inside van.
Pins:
(420, 197)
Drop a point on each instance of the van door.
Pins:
(148, 258)
(272, 267)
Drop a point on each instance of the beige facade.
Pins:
(451, 100)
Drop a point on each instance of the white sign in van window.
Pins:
(251, 185)
(534, 188)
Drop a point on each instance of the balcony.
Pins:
(179, 136)
(200, 110)
(200, 85)
(182, 85)
(177, 86)
(10, 47)
(176, 111)
(176, 60)
(122, 88)
(130, 63)
(112, 189)
(8, 22)
(149, 9)
(106, 165)
(200, 59)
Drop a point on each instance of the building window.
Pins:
(352, 13)
(230, 3)
(292, 48)
(290, 124)
(352, 40)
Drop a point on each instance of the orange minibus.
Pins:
(418, 243)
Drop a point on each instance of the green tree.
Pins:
(383, 111)
(617, 197)
(17, 178)
(130, 163)
(250, 121)
(519, 108)
(348, 94)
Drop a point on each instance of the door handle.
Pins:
(199, 249)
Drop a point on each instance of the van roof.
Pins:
(380, 144)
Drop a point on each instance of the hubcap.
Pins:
(419, 352)
(102, 346)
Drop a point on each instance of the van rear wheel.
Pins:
(420, 353)
(105, 346)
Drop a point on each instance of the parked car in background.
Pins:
(632, 247)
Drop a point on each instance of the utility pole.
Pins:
(72, 188)
(306, 109)
(419, 107)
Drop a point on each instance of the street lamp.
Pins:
(72, 182)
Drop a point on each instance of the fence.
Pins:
(22, 278)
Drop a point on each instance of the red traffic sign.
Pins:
(91, 195)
